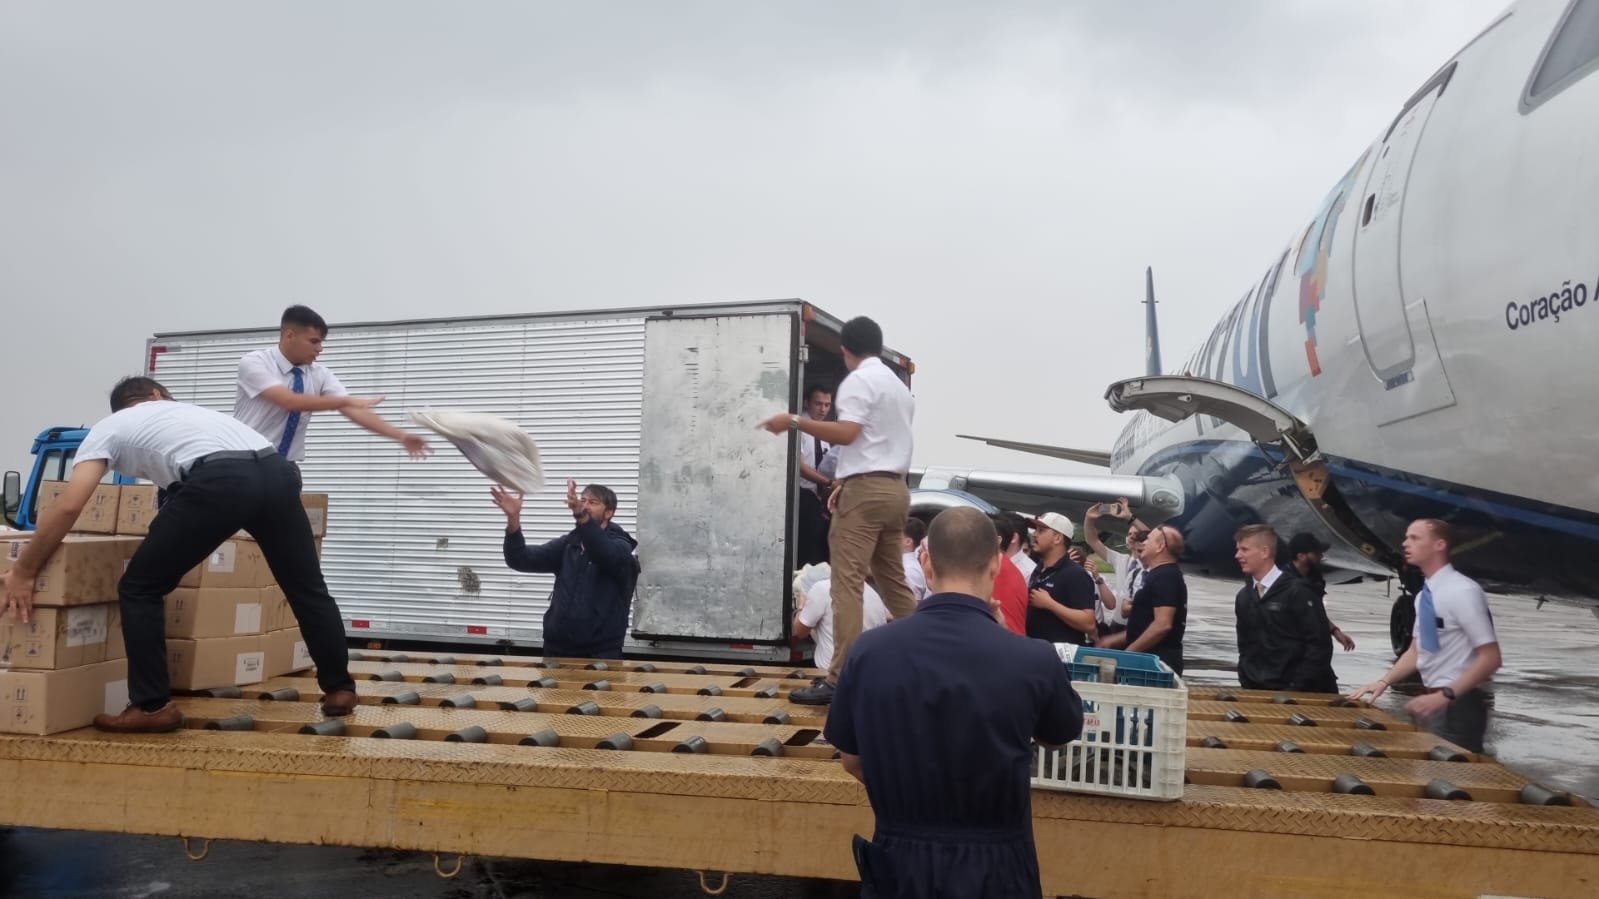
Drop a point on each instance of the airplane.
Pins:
(1418, 349)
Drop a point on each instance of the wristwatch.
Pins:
(1449, 693)
(793, 422)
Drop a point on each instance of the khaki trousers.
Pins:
(865, 538)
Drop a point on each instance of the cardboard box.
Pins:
(275, 612)
(216, 662)
(49, 702)
(135, 509)
(215, 612)
(62, 638)
(286, 653)
(84, 570)
(99, 515)
(236, 563)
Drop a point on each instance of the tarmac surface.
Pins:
(1544, 725)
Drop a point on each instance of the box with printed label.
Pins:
(49, 702)
(216, 662)
(215, 612)
(99, 515)
(62, 638)
(286, 653)
(135, 509)
(236, 563)
(83, 571)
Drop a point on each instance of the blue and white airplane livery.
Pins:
(1419, 349)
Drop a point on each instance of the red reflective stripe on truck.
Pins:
(360, 622)
(154, 352)
(742, 645)
(477, 629)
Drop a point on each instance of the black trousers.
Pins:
(216, 500)
(813, 522)
(1464, 722)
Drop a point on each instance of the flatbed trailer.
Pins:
(766, 797)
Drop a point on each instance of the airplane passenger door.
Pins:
(1395, 329)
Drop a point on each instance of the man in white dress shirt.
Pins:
(222, 478)
(872, 437)
(279, 388)
(814, 486)
(1455, 647)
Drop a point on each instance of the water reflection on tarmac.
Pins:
(1544, 725)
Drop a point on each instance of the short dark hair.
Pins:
(303, 317)
(131, 390)
(604, 494)
(862, 337)
(916, 529)
(962, 542)
(814, 389)
(1004, 530)
(1441, 529)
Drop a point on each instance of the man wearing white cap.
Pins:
(1061, 594)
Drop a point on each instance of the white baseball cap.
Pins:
(1057, 523)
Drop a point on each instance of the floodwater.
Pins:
(1544, 725)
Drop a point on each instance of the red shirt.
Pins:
(1010, 588)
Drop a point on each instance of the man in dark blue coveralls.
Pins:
(595, 573)
(936, 715)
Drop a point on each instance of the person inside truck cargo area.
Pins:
(1283, 638)
(595, 572)
(281, 386)
(872, 438)
(814, 486)
(937, 716)
(221, 477)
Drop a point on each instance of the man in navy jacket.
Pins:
(594, 567)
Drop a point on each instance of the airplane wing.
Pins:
(1152, 499)
(1087, 457)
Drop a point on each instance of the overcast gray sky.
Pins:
(988, 180)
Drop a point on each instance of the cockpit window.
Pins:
(1572, 53)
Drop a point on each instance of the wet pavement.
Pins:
(1544, 725)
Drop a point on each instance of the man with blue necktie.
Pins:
(1454, 648)
(281, 386)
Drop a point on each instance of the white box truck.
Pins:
(659, 404)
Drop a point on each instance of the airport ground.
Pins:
(1545, 722)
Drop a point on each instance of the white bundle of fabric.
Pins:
(493, 445)
(808, 577)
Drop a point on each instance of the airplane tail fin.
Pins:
(1151, 327)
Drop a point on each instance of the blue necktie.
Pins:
(1427, 621)
(293, 423)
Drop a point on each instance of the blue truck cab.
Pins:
(53, 452)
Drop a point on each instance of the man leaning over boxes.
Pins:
(221, 477)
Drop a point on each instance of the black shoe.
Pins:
(821, 694)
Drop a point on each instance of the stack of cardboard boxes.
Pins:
(227, 623)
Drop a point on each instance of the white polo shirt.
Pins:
(818, 616)
(1462, 608)
(877, 400)
(266, 368)
(159, 440)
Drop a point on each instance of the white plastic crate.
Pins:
(1134, 744)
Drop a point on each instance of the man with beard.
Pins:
(1304, 561)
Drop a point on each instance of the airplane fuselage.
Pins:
(1430, 324)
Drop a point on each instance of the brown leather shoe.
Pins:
(135, 720)
(340, 702)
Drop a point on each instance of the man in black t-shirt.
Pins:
(1160, 607)
(1061, 595)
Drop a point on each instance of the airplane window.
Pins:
(1571, 54)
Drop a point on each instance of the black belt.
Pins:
(876, 474)
(232, 456)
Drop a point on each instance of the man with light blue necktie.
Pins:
(1454, 648)
(281, 386)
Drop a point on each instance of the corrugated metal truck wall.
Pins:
(414, 549)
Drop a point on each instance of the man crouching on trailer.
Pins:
(221, 477)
